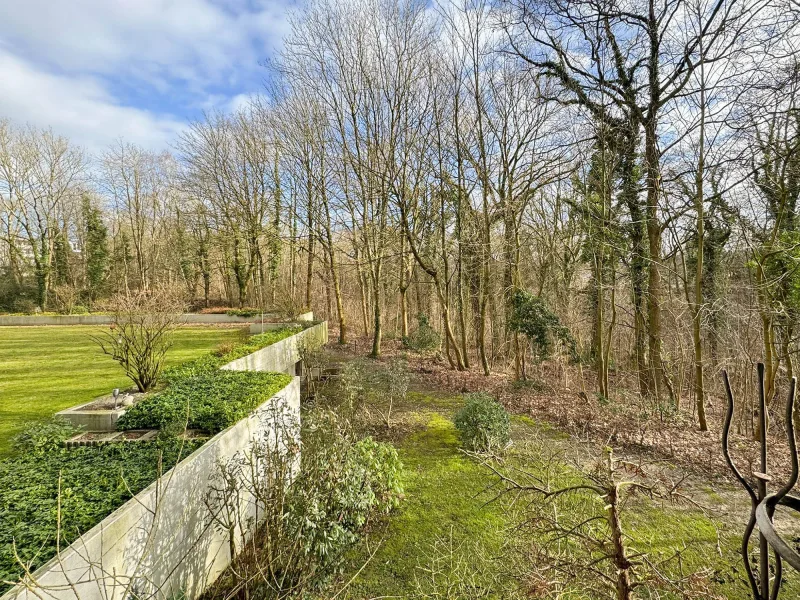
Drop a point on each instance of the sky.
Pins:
(98, 71)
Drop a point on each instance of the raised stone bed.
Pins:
(161, 543)
(282, 356)
(100, 414)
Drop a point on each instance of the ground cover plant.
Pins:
(210, 401)
(47, 369)
(49, 495)
(228, 352)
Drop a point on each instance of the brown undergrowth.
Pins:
(563, 396)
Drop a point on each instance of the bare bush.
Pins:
(576, 514)
(393, 381)
(452, 570)
(141, 333)
(66, 298)
(312, 362)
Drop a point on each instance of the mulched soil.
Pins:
(107, 402)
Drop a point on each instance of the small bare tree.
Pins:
(576, 514)
(141, 334)
(393, 380)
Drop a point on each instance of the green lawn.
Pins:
(46, 369)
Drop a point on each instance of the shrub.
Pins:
(533, 318)
(64, 298)
(483, 423)
(425, 338)
(352, 384)
(244, 312)
(42, 436)
(382, 469)
(24, 305)
(210, 401)
(93, 481)
(342, 484)
(311, 518)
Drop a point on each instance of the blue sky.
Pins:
(99, 70)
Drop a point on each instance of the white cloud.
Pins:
(77, 107)
(97, 70)
(188, 39)
(238, 102)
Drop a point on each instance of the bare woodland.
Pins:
(632, 165)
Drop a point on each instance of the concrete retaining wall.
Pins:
(189, 319)
(162, 541)
(283, 356)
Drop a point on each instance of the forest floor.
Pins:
(457, 535)
(46, 369)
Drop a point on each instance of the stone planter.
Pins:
(99, 414)
(161, 543)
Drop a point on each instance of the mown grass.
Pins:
(449, 539)
(46, 369)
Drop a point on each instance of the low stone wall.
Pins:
(189, 319)
(162, 542)
(283, 356)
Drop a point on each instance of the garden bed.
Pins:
(158, 543)
(76, 486)
(102, 414)
(284, 355)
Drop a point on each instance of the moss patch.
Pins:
(446, 530)
(446, 526)
(445, 503)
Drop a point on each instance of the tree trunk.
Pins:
(697, 311)
(654, 265)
